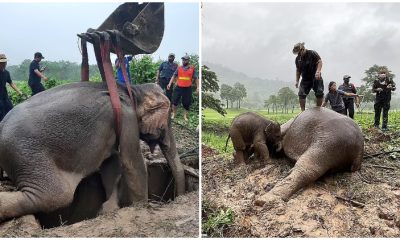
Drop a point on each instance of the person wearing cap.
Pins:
(383, 87)
(36, 74)
(120, 76)
(183, 90)
(335, 98)
(308, 67)
(5, 102)
(348, 100)
(165, 73)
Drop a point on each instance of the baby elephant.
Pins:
(319, 140)
(252, 133)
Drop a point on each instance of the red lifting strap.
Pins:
(85, 62)
(111, 83)
(121, 59)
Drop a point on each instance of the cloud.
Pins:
(257, 38)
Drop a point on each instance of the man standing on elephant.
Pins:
(383, 87)
(165, 73)
(308, 66)
(348, 100)
(35, 74)
(185, 75)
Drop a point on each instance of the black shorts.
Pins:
(36, 88)
(316, 85)
(184, 93)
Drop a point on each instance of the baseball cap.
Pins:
(38, 55)
(186, 57)
(171, 54)
(346, 76)
(3, 58)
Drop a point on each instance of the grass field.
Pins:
(215, 126)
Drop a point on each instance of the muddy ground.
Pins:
(179, 218)
(361, 204)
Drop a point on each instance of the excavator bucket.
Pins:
(139, 28)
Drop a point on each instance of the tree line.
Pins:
(235, 93)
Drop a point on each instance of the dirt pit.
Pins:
(163, 216)
(361, 204)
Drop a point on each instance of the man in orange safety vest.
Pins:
(185, 75)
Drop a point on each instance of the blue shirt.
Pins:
(167, 69)
(119, 70)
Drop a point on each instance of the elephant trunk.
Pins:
(171, 154)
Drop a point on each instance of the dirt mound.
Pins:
(179, 218)
(361, 204)
(176, 219)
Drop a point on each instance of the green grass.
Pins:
(216, 219)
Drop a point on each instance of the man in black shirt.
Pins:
(5, 102)
(348, 100)
(35, 74)
(308, 66)
(383, 87)
(164, 74)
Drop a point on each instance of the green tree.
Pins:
(372, 74)
(240, 92)
(143, 69)
(286, 96)
(226, 91)
(273, 102)
(209, 86)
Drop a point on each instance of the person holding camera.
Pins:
(383, 87)
(35, 74)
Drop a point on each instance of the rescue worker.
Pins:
(308, 66)
(334, 97)
(383, 87)
(185, 75)
(120, 76)
(348, 100)
(165, 73)
(5, 102)
(35, 74)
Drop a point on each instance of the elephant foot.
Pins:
(271, 201)
(109, 206)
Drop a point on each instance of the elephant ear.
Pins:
(153, 112)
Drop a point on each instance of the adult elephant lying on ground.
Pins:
(319, 140)
(49, 143)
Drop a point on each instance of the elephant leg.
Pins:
(239, 145)
(308, 169)
(170, 153)
(239, 156)
(110, 172)
(262, 151)
(42, 192)
(133, 166)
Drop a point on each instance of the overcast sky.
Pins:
(51, 28)
(257, 38)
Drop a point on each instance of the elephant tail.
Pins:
(227, 139)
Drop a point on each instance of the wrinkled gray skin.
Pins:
(56, 138)
(319, 140)
(252, 133)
